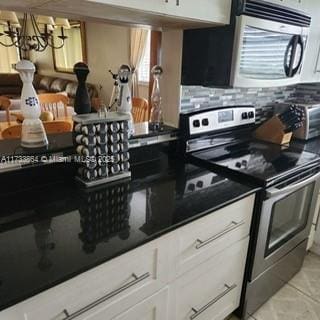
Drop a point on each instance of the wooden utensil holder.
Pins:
(273, 131)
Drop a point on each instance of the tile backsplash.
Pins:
(197, 97)
(308, 93)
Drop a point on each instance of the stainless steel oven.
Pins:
(289, 178)
(286, 218)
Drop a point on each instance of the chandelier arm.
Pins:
(42, 42)
(51, 45)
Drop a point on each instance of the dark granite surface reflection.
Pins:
(54, 232)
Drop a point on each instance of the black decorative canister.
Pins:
(82, 103)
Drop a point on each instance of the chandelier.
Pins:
(34, 33)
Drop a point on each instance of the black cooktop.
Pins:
(258, 162)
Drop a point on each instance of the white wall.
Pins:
(107, 48)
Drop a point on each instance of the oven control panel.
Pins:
(214, 120)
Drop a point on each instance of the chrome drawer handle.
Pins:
(110, 295)
(233, 226)
(212, 302)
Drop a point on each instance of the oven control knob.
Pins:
(191, 187)
(196, 123)
(200, 184)
(238, 165)
(205, 122)
(244, 116)
(251, 115)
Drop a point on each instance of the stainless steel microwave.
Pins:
(263, 46)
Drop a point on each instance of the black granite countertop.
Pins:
(62, 142)
(56, 231)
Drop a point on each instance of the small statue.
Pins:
(82, 103)
(124, 103)
(156, 120)
(33, 134)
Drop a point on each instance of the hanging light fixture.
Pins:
(42, 31)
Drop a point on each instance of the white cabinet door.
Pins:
(204, 238)
(118, 285)
(212, 290)
(147, 12)
(215, 11)
(155, 6)
(152, 308)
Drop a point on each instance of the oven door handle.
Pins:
(274, 192)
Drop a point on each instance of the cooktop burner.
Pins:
(261, 162)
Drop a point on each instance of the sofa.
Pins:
(11, 85)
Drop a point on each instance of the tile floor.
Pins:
(299, 299)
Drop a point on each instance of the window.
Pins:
(144, 68)
(9, 55)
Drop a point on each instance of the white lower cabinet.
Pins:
(195, 272)
(114, 286)
(154, 308)
(212, 290)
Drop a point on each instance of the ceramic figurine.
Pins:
(82, 103)
(33, 133)
(124, 103)
(156, 120)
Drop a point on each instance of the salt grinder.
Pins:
(33, 134)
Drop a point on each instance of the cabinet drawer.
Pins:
(212, 290)
(206, 237)
(118, 284)
(154, 308)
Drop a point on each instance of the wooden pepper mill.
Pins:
(82, 103)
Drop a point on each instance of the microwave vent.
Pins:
(269, 11)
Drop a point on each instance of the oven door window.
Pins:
(267, 55)
(290, 215)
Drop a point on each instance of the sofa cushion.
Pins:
(58, 85)
(10, 80)
(45, 83)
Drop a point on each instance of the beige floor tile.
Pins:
(289, 304)
(308, 279)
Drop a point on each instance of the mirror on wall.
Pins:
(102, 46)
(74, 49)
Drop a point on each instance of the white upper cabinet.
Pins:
(311, 65)
(215, 11)
(158, 13)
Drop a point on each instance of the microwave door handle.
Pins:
(288, 66)
(299, 43)
(274, 192)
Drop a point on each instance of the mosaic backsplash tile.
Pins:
(197, 97)
(308, 93)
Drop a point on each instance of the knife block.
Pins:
(273, 131)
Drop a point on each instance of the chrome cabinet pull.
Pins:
(178, 2)
(108, 296)
(233, 226)
(197, 312)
